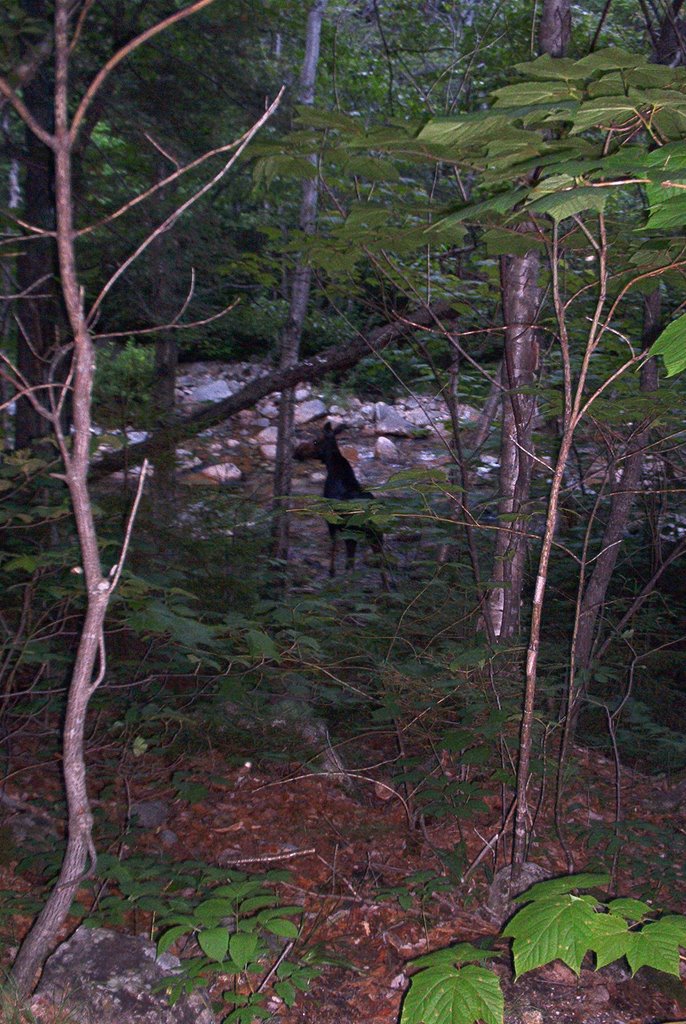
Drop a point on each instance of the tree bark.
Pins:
(76, 456)
(626, 483)
(520, 298)
(38, 315)
(554, 38)
(300, 295)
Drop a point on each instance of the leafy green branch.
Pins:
(452, 986)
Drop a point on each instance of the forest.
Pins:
(342, 511)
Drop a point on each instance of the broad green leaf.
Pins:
(631, 910)
(657, 945)
(462, 953)
(671, 345)
(463, 132)
(668, 213)
(286, 991)
(446, 995)
(169, 937)
(261, 646)
(530, 93)
(372, 169)
(561, 68)
(605, 112)
(611, 938)
(564, 884)
(214, 942)
(567, 204)
(214, 909)
(280, 926)
(249, 906)
(610, 58)
(559, 927)
(242, 947)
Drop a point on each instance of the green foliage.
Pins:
(122, 387)
(671, 345)
(450, 988)
(555, 924)
(238, 922)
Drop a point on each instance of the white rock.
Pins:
(136, 436)
(468, 413)
(303, 392)
(268, 435)
(308, 411)
(215, 391)
(268, 409)
(389, 421)
(268, 450)
(223, 472)
(386, 450)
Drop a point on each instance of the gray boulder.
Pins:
(389, 421)
(105, 977)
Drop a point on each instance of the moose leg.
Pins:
(350, 546)
(332, 558)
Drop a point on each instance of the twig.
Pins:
(174, 216)
(269, 858)
(275, 966)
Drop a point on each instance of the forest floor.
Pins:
(345, 852)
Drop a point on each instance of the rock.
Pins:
(101, 975)
(150, 813)
(500, 904)
(468, 413)
(222, 472)
(268, 409)
(267, 436)
(389, 421)
(303, 392)
(136, 436)
(268, 450)
(386, 450)
(215, 391)
(308, 411)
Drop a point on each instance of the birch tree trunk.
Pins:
(520, 300)
(555, 30)
(300, 295)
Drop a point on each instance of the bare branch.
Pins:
(124, 52)
(25, 114)
(173, 217)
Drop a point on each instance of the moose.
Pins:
(341, 484)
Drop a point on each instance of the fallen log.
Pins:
(333, 360)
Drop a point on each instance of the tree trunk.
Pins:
(521, 298)
(626, 483)
(76, 456)
(554, 38)
(39, 312)
(300, 294)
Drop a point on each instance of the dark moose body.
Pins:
(341, 484)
